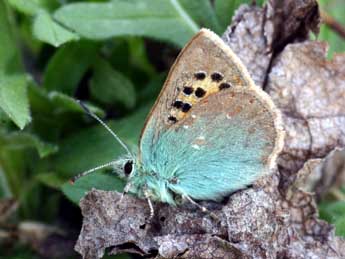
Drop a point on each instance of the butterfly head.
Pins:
(141, 181)
(129, 169)
(125, 167)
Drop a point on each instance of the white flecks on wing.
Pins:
(200, 138)
(197, 147)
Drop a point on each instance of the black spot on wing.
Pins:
(223, 86)
(199, 92)
(217, 77)
(201, 75)
(172, 119)
(186, 107)
(177, 104)
(187, 90)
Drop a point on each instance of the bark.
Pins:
(276, 217)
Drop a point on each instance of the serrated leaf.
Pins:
(69, 62)
(110, 87)
(13, 95)
(100, 181)
(149, 18)
(47, 30)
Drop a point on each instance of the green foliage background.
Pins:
(52, 52)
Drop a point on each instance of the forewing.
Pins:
(205, 53)
(228, 135)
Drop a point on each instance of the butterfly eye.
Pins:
(127, 169)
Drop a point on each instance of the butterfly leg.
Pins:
(125, 191)
(152, 211)
(202, 208)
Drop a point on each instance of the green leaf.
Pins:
(69, 62)
(203, 13)
(110, 86)
(32, 7)
(47, 30)
(138, 56)
(334, 213)
(336, 209)
(13, 95)
(4, 119)
(225, 9)
(340, 226)
(52, 180)
(55, 102)
(336, 9)
(5, 189)
(98, 180)
(21, 140)
(29, 7)
(164, 20)
(94, 146)
(55, 113)
(64, 103)
(151, 91)
(13, 98)
(14, 163)
(39, 100)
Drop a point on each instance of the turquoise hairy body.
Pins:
(218, 151)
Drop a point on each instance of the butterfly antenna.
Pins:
(87, 110)
(75, 178)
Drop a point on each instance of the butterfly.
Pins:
(211, 131)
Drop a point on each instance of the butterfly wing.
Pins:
(211, 131)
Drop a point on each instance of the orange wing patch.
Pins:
(200, 86)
